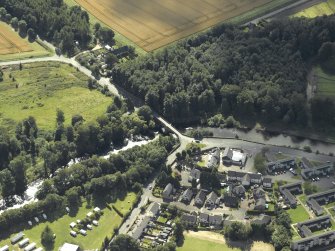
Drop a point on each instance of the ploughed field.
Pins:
(152, 24)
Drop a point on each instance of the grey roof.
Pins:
(267, 180)
(187, 194)
(292, 186)
(305, 231)
(325, 218)
(200, 197)
(227, 153)
(140, 228)
(203, 217)
(262, 220)
(230, 199)
(315, 239)
(167, 190)
(260, 203)
(215, 219)
(215, 159)
(154, 208)
(239, 190)
(328, 167)
(212, 197)
(289, 197)
(315, 206)
(317, 196)
(243, 175)
(189, 218)
(259, 193)
(195, 173)
(306, 163)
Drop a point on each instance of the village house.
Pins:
(187, 195)
(215, 220)
(259, 193)
(233, 157)
(211, 200)
(214, 160)
(315, 207)
(267, 182)
(230, 200)
(200, 198)
(239, 191)
(262, 220)
(260, 204)
(194, 175)
(280, 165)
(203, 219)
(189, 220)
(246, 179)
(167, 193)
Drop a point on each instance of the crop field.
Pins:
(325, 8)
(152, 24)
(12, 46)
(40, 88)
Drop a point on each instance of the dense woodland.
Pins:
(253, 73)
(54, 21)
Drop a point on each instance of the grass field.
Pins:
(298, 214)
(325, 8)
(40, 88)
(325, 84)
(13, 47)
(152, 24)
(94, 238)
(192, 243)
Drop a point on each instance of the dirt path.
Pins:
(312, 80)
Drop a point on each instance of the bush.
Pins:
(117, 211)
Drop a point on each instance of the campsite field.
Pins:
(12, 46)
(324, 8)
(61, 228)
(40, 88)
(152, 24)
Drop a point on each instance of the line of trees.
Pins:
(254, 74)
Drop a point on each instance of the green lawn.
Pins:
(40, 88)
(325, 8)
(38, 49)
(326, 84)
(298, 214)
(94, 238)
(195, 244)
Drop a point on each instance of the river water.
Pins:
(273, 139)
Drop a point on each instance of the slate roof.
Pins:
(136, 234)
(154, 208)
(195, 173)
(259, 193)
(321, 195)
(187, 194)
(227, 153)
(200, 197)
(215, 219)
(239, 190)
(262, 220)
(260, 204)
(167, 190)
(306, 163)
(289, 197)
(203, 217)
(315, 206)
(315, 240)
(189, 218)
(267, 180)
(212, 197)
